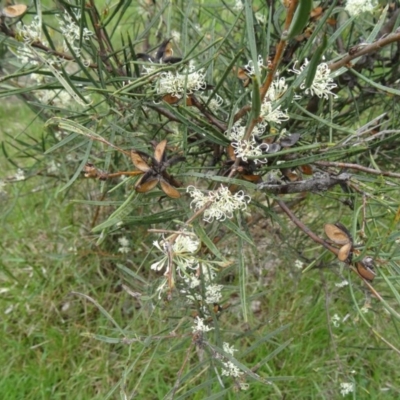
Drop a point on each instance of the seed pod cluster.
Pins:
(339, 235)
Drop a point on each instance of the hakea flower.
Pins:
(238, 6)
(249, 148)
(249, 67)
(277, 89)
(178, 84)
(72, 32)
(346, 388)
(213, 293)
(182, 250)
(356, 7)
(214, 104)
(30, 33)
(236, 132)
(269, 114)
(124, 243)
(322, 84)
(229, 368)
(222, 202)
(20, 175)
(200, 326)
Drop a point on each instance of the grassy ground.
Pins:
(49, 348)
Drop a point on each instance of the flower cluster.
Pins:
(299, 264)
(355, 7)
(177, 84)
(214, 104)
(342, 284)
(270, 113)
(20, 175)
(72, 33)
(229, 368)
(249, 67)
(322, 84)
(244, 148)
(222, 203)
(249, 148)
(124, 243)
(183, 248)
(30, 33)
(200, 326)
(346, 388)
(335, 319)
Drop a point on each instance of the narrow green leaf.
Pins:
(238, 232)
(300, 19)
(314, 62)
(256, 99)
(204, 237)
(251, 37)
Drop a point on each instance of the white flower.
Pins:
(124, 242)
(192, 280)
(249, 67)
(72, 32)
(236, 132)
(228, 349)
(20, 175)
(30, 33)
(223, 202)
(277, 89)
(215, 103)
(181, 250)
(342, 284)
(230, 369)
(186, 243)
(322, 83)
(158, 265)
(238, 6)
(335, 319)
(249, 148)
(199, 326)
(346, 388)
(261, 19)
(213, 294)
(176, 84)
(271, 114)
(298, 264)
(355, 7)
